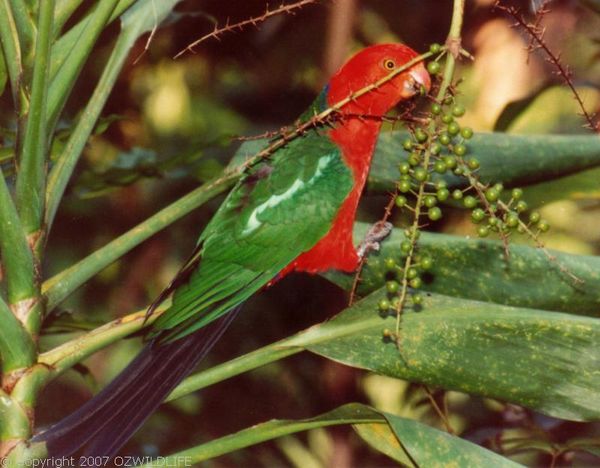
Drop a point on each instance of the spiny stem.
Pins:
(217, 32)
(536, 35)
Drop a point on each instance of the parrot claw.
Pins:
(371, 243)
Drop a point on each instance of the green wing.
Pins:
(278, 210)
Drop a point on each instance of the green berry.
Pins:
(401, 201)
(435, 148)
(473, 164)
(445, 139)
(466, 133)
(453, 128)
(407, 144)
(440, 184)
(483, 231)
(405, 247)
(434, 68)
(412, 273)
(434, 213)
(457, 194)
(435, 48)
(460, 149)
(414, 159)
(517, 193)
(492, 195)
(436, 109)
(392, 286)
(421, 174)
(459, 171)
(430, 201)
(477, 215)
(440, 167)
(450, 161)
(426, 263)
(458, 110)
(416, 283)
(421, 136)
(521, 206)
(404, 186)
(512, 220)
(417, 299)
(543, 225)
(498, 187)
(442, 194)
(384, 305)
(534, 217)
(447, 119)
(470, 201)
(404, 167)
(390, 264)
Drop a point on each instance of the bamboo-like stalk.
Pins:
(66, 75)
(11, 48)
(31, 179)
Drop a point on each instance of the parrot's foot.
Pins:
(379, 231)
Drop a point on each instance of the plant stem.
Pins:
(11, 48)
(57, 288)
(17, 349)
(16, 255)
(62, 84)
(31, 180)
(25, 26)
(63, 11)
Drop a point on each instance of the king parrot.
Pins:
(293, 211)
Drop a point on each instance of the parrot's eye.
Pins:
(389, 64)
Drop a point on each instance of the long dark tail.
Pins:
(103, 424)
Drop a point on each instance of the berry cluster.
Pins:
(438, 148)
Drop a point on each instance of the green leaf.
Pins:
(425, 445)
(555, 111)
(546, 361)
(514, 109)
(512, 159)
(477, 269)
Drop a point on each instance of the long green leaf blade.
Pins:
(546, 361)
(478, 269)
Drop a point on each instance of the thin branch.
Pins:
(536, 33)
(219, 31)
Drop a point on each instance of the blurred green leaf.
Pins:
(580, 186)
(424, 445)
(514, 109)
(477, 269)
(546, 361)
(554, 110)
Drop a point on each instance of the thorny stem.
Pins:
(453, 42)
(217, 32)
(536, 34)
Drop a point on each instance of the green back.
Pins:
(279, 209)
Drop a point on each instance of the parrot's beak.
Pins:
(418, 82)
